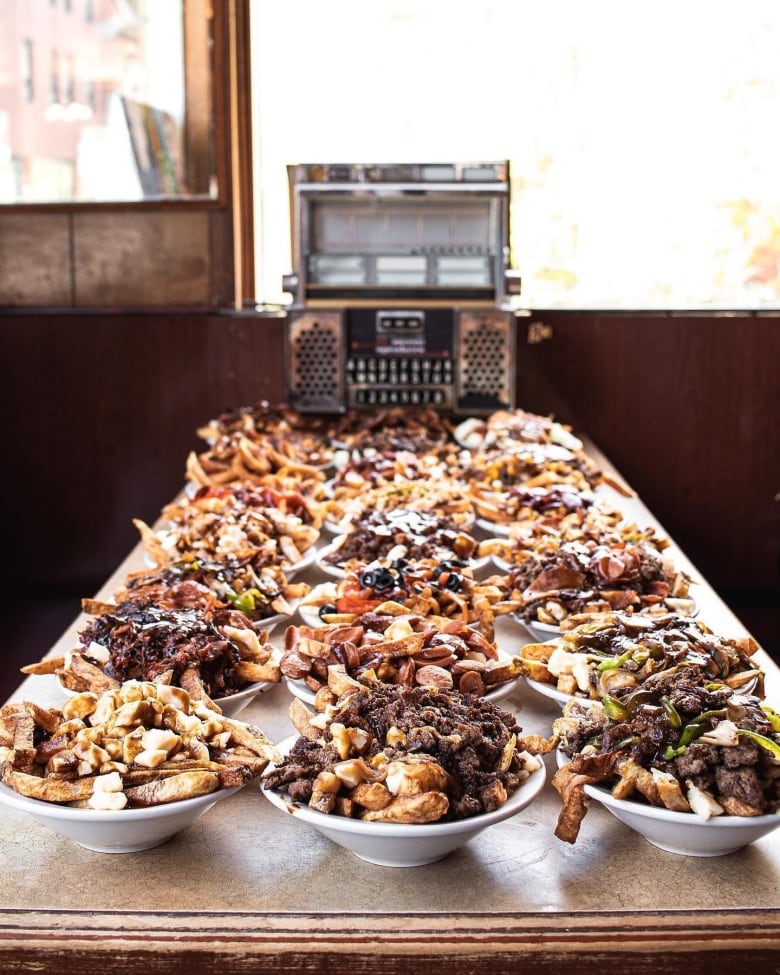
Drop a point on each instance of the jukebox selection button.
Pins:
(385, 396)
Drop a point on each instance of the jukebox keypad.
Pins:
(399, 397)
(402, 380)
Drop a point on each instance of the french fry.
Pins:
(184, 785)
(570, 786)
(90, 675)
(301, 718)
(191, 682)
(47, 789)
(251, 672)
(426, 807)
(49, 665)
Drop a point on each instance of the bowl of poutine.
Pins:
(399, 844)
(231, 706)
(703, 786)
(617, 654)
(399, 795)
(125, 770)
(683, 832)
(223, 660)
(115, 831)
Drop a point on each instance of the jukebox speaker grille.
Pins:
(315, 371)
(485, 358)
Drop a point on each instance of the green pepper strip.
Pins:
(693, 730)
(774, 717)
(766, 743)
(614, 662)
(671, 712)
(613, 709)
(708, 715)
(627, 742)
(244, 602)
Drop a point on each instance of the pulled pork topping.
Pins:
(146, 641)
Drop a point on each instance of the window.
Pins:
(110, 108)
(69, 83)
(642, 137)
(54, 79)
(26, 76)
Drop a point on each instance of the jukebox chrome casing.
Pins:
(401, 288)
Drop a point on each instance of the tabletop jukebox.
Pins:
(400, 287)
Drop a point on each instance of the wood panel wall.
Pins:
(100, 411)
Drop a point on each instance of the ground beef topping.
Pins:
(439, 755)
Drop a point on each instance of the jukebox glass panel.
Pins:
(391, 242)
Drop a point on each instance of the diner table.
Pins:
(249, 888)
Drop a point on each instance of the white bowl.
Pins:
(551, 691)
(686, 833)
(310, 615)
(501, 564)
(299, 689)
(397, 845)
(335, 571)
(121, 831)
(548, 631)
(234, 704)
(306, 559)
(542, 631)
(494, 528)
(290, 568)
(338, 572)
